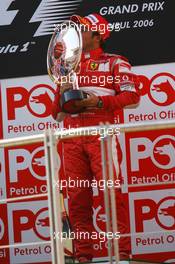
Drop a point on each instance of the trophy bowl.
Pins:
(63, 58)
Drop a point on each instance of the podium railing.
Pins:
(50, 139)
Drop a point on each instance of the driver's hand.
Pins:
(61, 116)
(65, 86)
(90, 101)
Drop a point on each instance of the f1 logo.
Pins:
(7, 16)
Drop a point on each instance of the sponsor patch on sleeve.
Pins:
(127, 87)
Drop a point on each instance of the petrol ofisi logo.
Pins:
(160, 151)
(37, 101)
(160, 88)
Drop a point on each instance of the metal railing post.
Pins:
(106, 192)
(53, 199)
(112, 192)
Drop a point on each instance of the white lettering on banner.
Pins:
(152, 211)
(29, 161)
(114, 26)
(9, 48)
(152, 150)
(2, 253)
(113, 10)
(13, 48)
(28, 190)
(157, 6)
(132, 8)
(7, 16)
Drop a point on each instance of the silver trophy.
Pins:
(63, 58)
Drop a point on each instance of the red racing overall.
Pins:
(82, 156)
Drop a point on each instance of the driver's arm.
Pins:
(57, 113)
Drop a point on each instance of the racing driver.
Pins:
(82, 155)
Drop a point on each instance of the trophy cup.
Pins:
(63, 57)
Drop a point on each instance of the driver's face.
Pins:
(88, 40)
